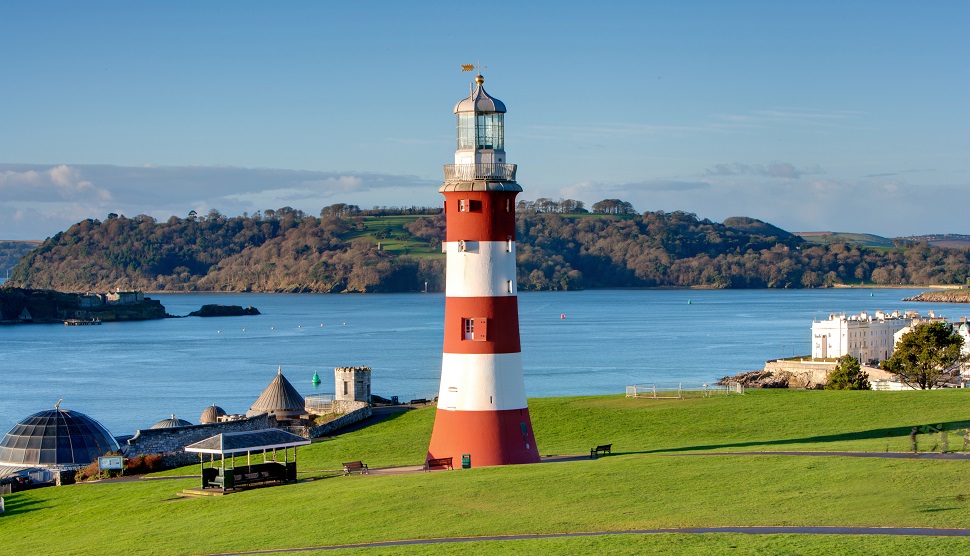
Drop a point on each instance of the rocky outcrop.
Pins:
(215, 310)
(944, 296)
(758, 379)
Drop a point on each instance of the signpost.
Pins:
(106, 463)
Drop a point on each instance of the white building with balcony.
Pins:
(867, 337)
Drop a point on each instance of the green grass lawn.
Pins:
(398, 240)
(655, 479)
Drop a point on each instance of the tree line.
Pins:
(287, 250)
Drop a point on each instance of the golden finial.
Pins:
(472, 67)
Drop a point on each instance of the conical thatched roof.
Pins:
(280, 397)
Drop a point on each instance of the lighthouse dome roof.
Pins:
(480, 101)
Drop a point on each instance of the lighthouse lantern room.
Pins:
(482, 411)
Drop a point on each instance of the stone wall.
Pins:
(813, 374)
(162, 441)
(354, 412)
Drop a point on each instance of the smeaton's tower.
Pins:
(482, 410)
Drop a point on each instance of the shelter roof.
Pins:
(249, 441)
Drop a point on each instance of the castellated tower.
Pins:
(482, 409)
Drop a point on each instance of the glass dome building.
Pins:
(56, 438)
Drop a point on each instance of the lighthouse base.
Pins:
(489, 437)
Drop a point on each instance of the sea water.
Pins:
(131, 375)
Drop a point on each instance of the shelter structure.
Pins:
(280, 399)
(56, 439)
(261, 442)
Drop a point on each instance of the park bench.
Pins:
(601, 449)
(247, 475)
(437, 462)
(358, 466)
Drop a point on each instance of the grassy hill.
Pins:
(656, 478)
(829, 238)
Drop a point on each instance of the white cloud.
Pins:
(772, 170)
(57, 196)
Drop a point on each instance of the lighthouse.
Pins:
(482, 411)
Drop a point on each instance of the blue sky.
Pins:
(822, 115)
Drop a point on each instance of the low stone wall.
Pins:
(813, 374)
(354, 412)
(163, 441)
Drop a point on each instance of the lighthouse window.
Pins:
(469, 329)
(481, 131)
(463, 205)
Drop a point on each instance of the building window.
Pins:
(475, 329)
(510, 286)
(508, 204)
(462, 205)
(508, 244)
(345, 387)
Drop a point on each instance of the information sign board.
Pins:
(110, 462)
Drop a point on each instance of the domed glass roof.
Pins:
(171, 423)
(56, 437)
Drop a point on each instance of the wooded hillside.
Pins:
(395, 251)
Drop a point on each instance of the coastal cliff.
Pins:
(23, 306)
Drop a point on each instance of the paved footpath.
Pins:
(897, 531)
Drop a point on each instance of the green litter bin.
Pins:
(466, 461)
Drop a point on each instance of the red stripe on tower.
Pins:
(482, 410)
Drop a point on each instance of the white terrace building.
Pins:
(865, 337)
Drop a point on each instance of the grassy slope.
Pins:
(413, 246)
(648, 483)
(826, 238)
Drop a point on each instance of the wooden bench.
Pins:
(358, 466)
(601, 449)
(258, 473)
(437, 462)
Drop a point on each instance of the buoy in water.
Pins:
(688, 302)
(563, 316)
(316, 378)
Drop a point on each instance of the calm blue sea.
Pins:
(131, 375)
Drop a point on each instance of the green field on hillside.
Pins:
(657, 477)
(827, 238)
(389, 232)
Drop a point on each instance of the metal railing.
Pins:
(471, 172)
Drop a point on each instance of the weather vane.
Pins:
(473, 67)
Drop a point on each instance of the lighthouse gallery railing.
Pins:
(471, 172)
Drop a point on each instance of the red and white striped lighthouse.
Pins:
(482, 410)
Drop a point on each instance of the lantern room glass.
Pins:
(481, 130)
